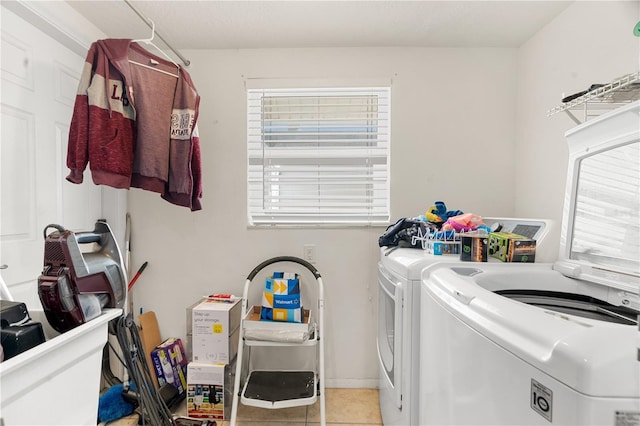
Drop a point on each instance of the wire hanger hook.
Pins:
(146, 21)
(153, 33)
(150, 42)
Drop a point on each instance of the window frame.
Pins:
(377, 162)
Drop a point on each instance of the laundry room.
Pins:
(431, 107)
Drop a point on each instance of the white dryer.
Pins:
(540, 344)
(398, 342)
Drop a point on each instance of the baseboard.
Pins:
(352, 383)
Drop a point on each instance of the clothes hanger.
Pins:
(150, 42)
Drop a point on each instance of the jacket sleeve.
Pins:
(196, 170)
(78, 148)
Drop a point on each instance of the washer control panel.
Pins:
(535, 229)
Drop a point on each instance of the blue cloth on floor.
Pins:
(112, 406)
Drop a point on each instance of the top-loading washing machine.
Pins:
(557, 343)
(398, 341)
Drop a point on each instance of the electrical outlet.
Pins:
(309, 253)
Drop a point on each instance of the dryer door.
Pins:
(389, 340)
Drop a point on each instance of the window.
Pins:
(318, 156)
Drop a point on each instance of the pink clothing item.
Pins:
(134, 124)
(463, 223)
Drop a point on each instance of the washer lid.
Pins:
(591, 356)
(600, 236)
(407, 262)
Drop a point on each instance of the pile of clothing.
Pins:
(437, 219)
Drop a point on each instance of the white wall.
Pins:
(590, 42)
(453, 133)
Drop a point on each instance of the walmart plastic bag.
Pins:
(281, 298)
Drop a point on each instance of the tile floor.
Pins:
(344, 407)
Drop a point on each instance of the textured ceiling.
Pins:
(271, 24)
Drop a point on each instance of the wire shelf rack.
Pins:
(620, 91)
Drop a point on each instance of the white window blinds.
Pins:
(318, 156)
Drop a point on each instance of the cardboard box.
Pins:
(170, 364)
(150, 336)
(473, 248)
(256, 328)
(209, 390)
(523, 251)
(439, 248)
(510, 247)
(215, 330)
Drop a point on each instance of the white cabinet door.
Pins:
(39, 82)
